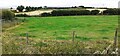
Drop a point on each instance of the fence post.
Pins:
(115, 39)
(27, 38)
(73, 36)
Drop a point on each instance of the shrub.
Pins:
(111, 12)
(118, 11)
(22, 15)
(95, 12)
(8, 15)
(84, 12)
(45, 14)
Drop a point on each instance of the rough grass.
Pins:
(54, 34)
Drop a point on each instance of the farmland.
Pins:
(54, 34)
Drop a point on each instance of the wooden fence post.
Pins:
(115, 39)
(73, 36)
(27, 38)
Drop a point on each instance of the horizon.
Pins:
(59, 3)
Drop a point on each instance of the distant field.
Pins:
(88, 29)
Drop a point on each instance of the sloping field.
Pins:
(37, 12)
(55, 34)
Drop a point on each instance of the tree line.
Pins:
(109, 11)
(82, 12)
(27, 8)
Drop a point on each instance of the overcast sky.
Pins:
(59, 3)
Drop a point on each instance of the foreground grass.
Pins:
(48, 33)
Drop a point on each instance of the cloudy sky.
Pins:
(60, 3)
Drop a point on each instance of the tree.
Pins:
(11, 8)
(81, 6)
(95, 12)
(8, 15)
(27, 8)
(45, 7)
(40, 7)
(20, 8)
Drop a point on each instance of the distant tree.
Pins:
(81, 6)
(32, 8)
(27, 8)
(35, 8)
(40, 7)
(95, 12)
(11, 8)
(20, 8)
(45, 7)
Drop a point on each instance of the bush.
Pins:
(22, 15)
(20, 8)
(95, 12)
(84, 12)
(111, 12)
(8, 15)
(45, 14)
(118, 11)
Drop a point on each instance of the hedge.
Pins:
(95, 12)
(69, 12)
(22, 15)
(81, 12)
(45, 14)
(112, 12)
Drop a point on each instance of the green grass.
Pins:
(54, 34)
(93, 27)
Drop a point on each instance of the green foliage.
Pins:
(112, 12)
(45, 14)
(95, 12)
(83, 38)
(22, 15)
(105, 37)
(70, 12)
(29, 8)
(20, 8)
(8, 15)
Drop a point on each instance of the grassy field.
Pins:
(89, 27)
(92, 33)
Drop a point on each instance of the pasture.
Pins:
(55, 34)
